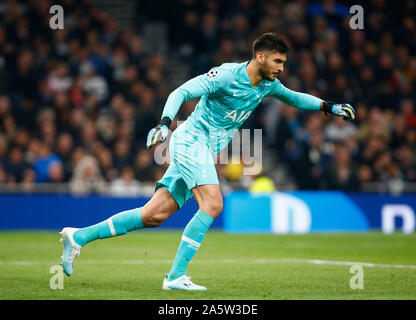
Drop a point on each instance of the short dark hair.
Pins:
(271, 42)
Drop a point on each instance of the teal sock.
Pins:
(192, 237)
(116, 225)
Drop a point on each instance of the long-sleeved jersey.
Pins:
(227, 100)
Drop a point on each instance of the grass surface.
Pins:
(230, 266)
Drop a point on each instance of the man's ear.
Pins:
(260, 57)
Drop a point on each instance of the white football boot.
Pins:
(71, 249)
(182, 283)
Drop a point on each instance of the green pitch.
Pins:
(314, 266)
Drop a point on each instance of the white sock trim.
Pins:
(111, 226)
(190, 241)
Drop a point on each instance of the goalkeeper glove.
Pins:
(158, 133)
(344, 110)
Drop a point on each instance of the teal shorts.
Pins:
(191, 164)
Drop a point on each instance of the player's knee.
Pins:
(158, 209)
(154, 220)
(219, 208)
(213, 209)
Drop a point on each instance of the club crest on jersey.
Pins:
(237, 117)
(212, 73)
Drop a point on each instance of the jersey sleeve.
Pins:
(199, 86)
(296, 99)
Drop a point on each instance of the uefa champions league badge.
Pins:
(212, 73)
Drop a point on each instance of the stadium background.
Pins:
(76, 104)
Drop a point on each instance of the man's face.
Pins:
(271, 63)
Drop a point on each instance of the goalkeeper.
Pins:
(229, 94)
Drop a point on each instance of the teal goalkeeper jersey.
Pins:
(227, 100)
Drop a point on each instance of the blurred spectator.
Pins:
(76, 104)
(64, 148)
(44, 162)
(122, 154)
(146, 115)
(341, 173)
(407, 160)
(87, 177)
(309, 169)
(93, 83)
(59, 80)
(393, 178)
(3, 148)
(105, 159)
(286, 130)
(364, 174)
(340, 130)
(126, 185)
(15, 165)
(143, 165)
(3, 175)
(28, 180)
(4, 105)
(56, 172)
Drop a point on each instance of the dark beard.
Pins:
(264, 76)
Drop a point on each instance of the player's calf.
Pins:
(192, 238)
(73, 238)
(118, 224)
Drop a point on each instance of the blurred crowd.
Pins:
(76, 103)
